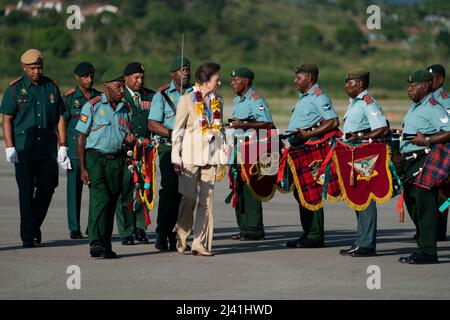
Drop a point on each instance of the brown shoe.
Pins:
(202, 251)
(182, 247)
(182, 250)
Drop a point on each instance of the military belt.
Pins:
(107, 156)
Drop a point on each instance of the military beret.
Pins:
(84, 69)
(32, 56)
(420, 76)
(243, 72)
(357, 73)
(133, 67)
(112, 75)
(437, 69)
(176, 63)
(307, 68)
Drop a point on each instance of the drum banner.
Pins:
(364, 173)
(255, 162)
(259, 160)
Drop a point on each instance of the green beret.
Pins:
(358, 73)
(243, 72)
(112, 75)
(437, 69)
(420, 76)
(83, 69)
(176, 63)
(133, 67)
(307, 68)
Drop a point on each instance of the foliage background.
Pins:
(269, 36)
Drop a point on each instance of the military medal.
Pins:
(52, 98)
(146, 105)
(102, 113)
(23, 91)
(76, 103)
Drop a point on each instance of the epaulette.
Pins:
(70, 91)
(94, 100)
(15, 81)
(255, 96)
(368, 99)
(444, 95)
(433, 102)
(164, 87)
(55, 83)
(317, 91)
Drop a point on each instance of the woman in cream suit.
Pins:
(198, 156)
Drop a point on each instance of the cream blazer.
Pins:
(189, 145)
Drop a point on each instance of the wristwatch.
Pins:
(427, 142)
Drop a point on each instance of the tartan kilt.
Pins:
(304, 164)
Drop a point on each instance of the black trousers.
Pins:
(37, 180)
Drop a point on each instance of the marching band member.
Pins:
(429, 122)
(251, 106)
(312, 116)
(441, 96)
(364, 119)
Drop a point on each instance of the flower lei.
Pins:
(200, 110)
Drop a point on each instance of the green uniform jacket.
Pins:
(139, 114)
(36, 110)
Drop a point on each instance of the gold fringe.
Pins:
(222, 173)
(255, 195)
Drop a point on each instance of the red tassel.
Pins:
(235, 195)
(400, 208)
(282, 166)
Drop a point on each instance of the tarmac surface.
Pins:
(239, 270)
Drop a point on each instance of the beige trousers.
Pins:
(196, 182)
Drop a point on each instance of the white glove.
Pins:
(63, 159)
(11, 155)
(62, 154)
(65, 165)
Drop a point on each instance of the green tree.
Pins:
(57, 41)
(443, 42)
(349, 37)
(310, 36)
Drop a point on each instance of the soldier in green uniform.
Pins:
(313, 116)
(33, 111)
(74, 99)
(132, 223)
(104, 127)
(161, 121)
(441, 96)
(250, 111)
(363, 119)
(428, 121)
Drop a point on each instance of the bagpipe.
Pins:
(142, 165)
(265, 165)
(299, 170)
(333, 168)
